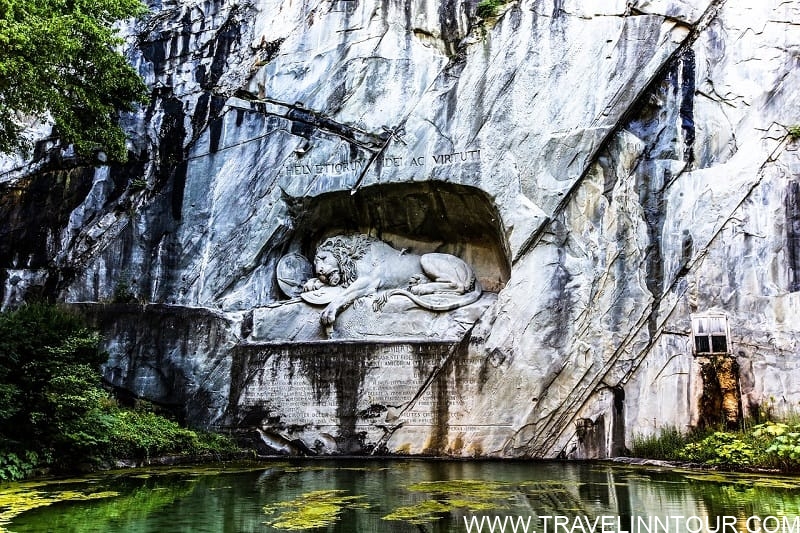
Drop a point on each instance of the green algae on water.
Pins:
(420, 513)
(311, 510)
(17, 500)
(446, 496)
(471, 488)
(746, 480)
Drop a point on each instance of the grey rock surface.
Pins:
(606, 170)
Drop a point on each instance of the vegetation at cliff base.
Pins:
(58, 57)
(770, 445)
(54, 412)
(665, 445)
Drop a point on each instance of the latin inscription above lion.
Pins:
(349, 267)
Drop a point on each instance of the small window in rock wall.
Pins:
(710, 334)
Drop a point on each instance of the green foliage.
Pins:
(794, 131)
(13, 467)
(51, 396)
(59, 57)
(767, 445)
(141, 435)
(667, 445)
(123, 293)
(138, 184)
(782, 443)
(216, 444)
(721, 449)
(53, 411)
(489, 8)
(46, 361)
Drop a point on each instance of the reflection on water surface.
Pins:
(402, 496)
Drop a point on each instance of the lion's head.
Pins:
(335, 260)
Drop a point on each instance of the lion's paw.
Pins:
(328, 316)
(312, 285)
(422, 289)
(416, 279)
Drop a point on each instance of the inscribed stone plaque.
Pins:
(339, 397)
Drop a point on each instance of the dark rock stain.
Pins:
(448, 26)
(202, 110)
(434, 371)
(337, 371)
(35, 208)
(655, 119)
(687, 90)
(155, 52)
(652, 201)
(172, 165)
(560, 303)
(793, 234)
(224, 43)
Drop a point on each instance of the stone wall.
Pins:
(606, 170)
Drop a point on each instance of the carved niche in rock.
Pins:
(349, 267)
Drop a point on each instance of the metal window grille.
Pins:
(710, 334)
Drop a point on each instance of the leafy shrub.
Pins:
(767, 445)
(14, 467)
(216, 443)
(53, 410)
(721, 449)
(138, 184)
(783, 443)
(794, 131)
(48, 380)
(123, 294)
(488, 8)
(141, 435)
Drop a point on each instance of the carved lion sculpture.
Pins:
(362, 266)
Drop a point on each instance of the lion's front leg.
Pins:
(355, 291)
(328, 315)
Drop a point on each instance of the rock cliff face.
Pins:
(606, 171)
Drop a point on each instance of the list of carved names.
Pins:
(395, 381)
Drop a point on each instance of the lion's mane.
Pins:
(346, 250)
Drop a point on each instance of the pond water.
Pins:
(399, 496)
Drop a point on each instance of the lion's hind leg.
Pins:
(449, 274)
